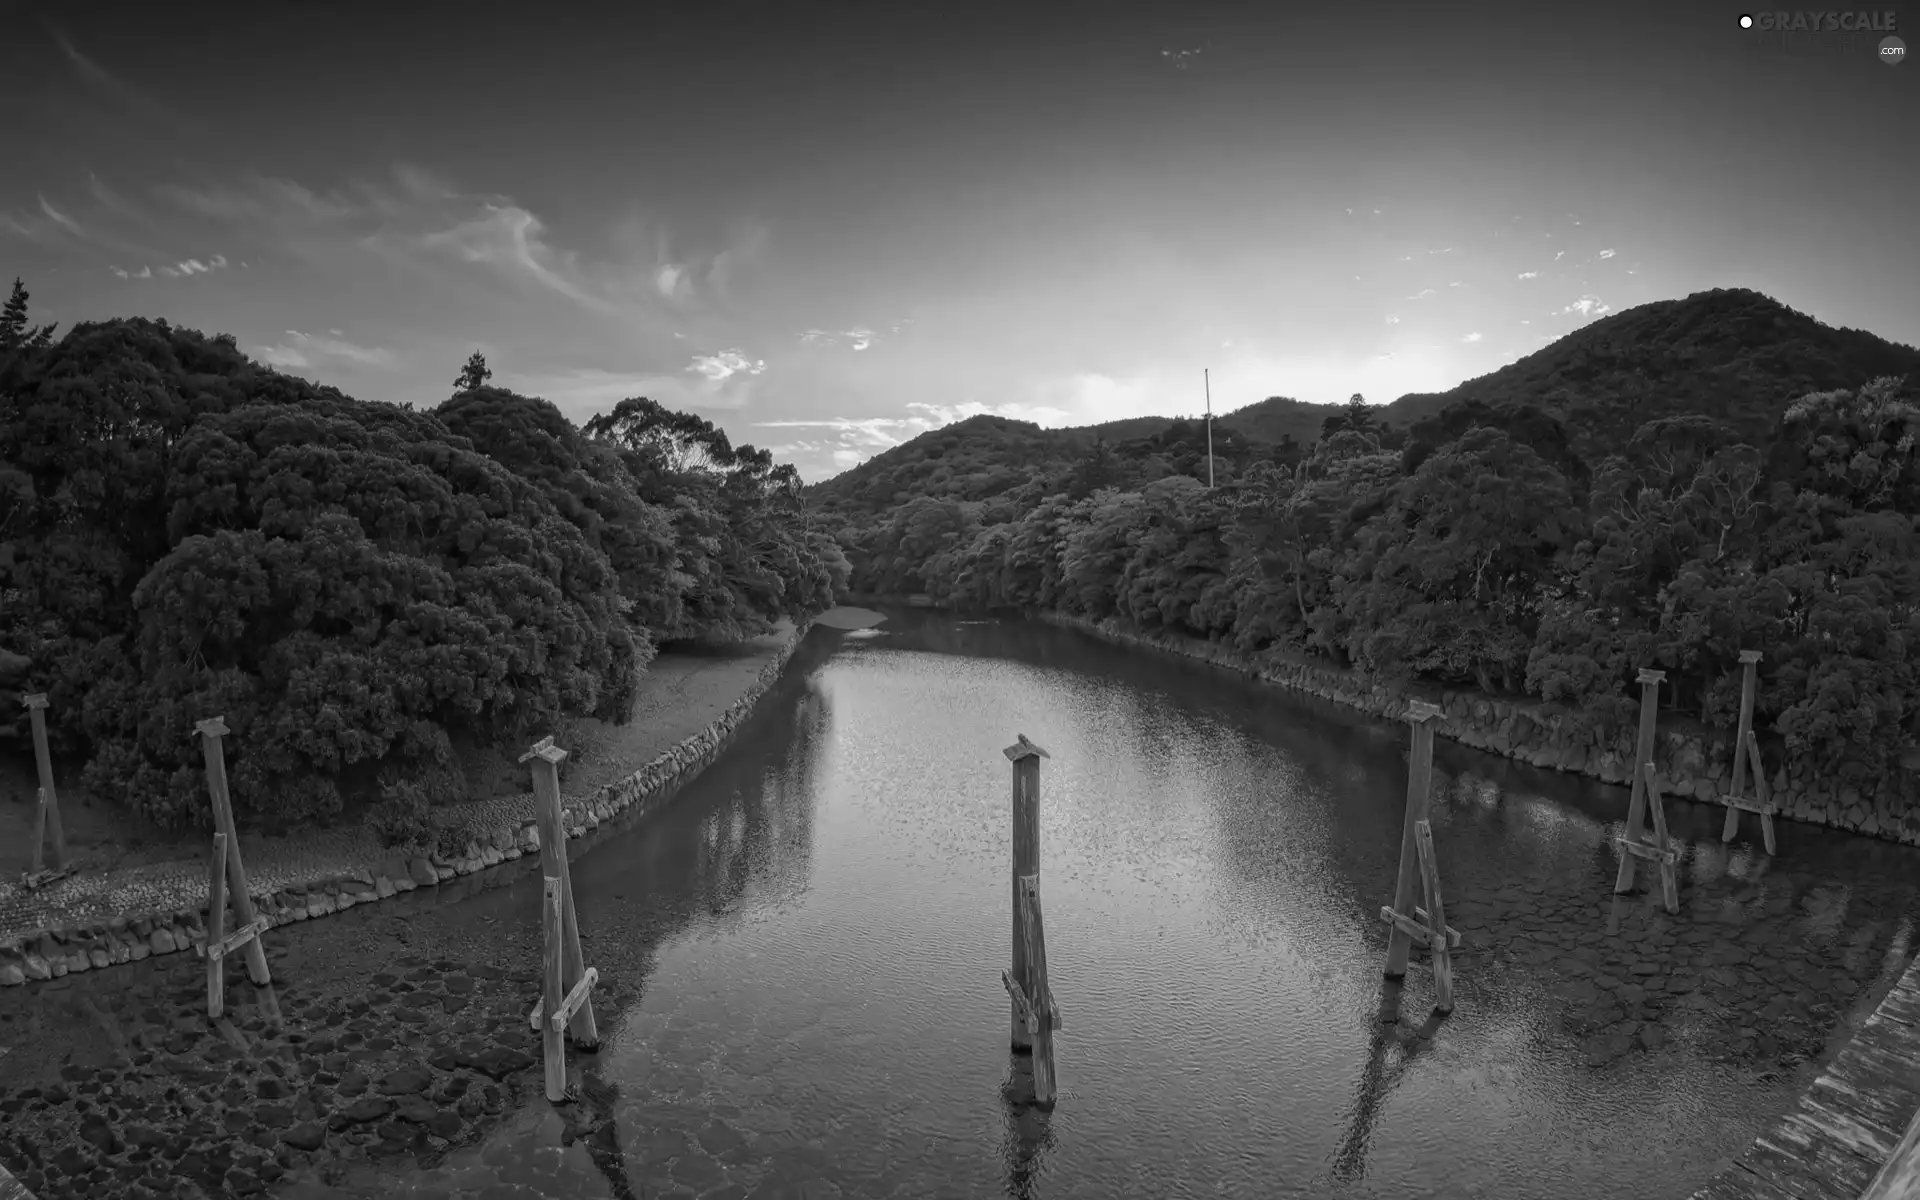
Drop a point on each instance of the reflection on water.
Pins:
(802, 955)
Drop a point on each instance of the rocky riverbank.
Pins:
(1695, 764)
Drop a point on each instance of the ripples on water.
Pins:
(820, 924)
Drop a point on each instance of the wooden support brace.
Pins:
(1761, 791)
(553, 1043)
(217, 927)
(1437, 931)
(1640, 848)
(575, 998)
(1022, 1007)
(236, 939)
(1415, 927)
(1669, 856)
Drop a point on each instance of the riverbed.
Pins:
(821, 1007)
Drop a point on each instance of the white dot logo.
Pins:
(1746, 21)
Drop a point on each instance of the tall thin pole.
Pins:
(1206, 380)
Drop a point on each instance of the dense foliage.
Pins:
(353, 585)
(1494, 545)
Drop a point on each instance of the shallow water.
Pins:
(817, 928)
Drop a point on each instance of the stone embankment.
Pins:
(1541, 734)
(499, 831)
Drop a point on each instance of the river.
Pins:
(812, 937)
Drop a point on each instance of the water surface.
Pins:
(818, 926)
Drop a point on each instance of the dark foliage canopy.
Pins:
(353, 585)
(1664, 488)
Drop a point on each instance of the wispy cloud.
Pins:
(422, 220)
(1392, 320)
(853, 339)
(1559, 255)
(1472, 337)
(1529, 275)
(1587, 306)
(1606, 254)
(56, 226)
(725, 365)
(1423, 294)
(713, 382)
(1180, 60)
(306, 351)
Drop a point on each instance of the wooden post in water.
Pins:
(211, 731)
(1746, 750)
(1035, 1014)
(1409, 922)
(1650, 681)
(47, 819)
(552, 1043)
(1025, 757)
(566, 1002)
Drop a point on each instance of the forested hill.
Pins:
(1729, 354)
(353, 584)
(1664, 488)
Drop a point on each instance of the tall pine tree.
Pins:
(474, 375)
(15, 335)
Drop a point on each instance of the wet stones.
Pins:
(362, 1110)
(407, 1081)
(496, 1062)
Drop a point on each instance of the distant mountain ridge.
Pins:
(1732, 354)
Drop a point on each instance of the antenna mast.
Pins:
(1206, 380)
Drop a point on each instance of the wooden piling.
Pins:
(47, 819)
(1408, 923)
(1025, 757)
(552, 1038)
(211, 731)
(1436, 920)
(546, 758)
(1746, 754)
(1041, 1018)
(217, 928)
(1669, 853)
(1650, 681)
(566, 1001)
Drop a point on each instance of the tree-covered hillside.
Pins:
(184, 532)
(1546, 545)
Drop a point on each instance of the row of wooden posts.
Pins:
(1036, 1015)
(565, 1007)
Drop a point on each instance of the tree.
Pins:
(1354, 416)
(15, 334)
(474, 375)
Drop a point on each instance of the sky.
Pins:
(828, 228)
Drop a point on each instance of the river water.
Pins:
(812, 936)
